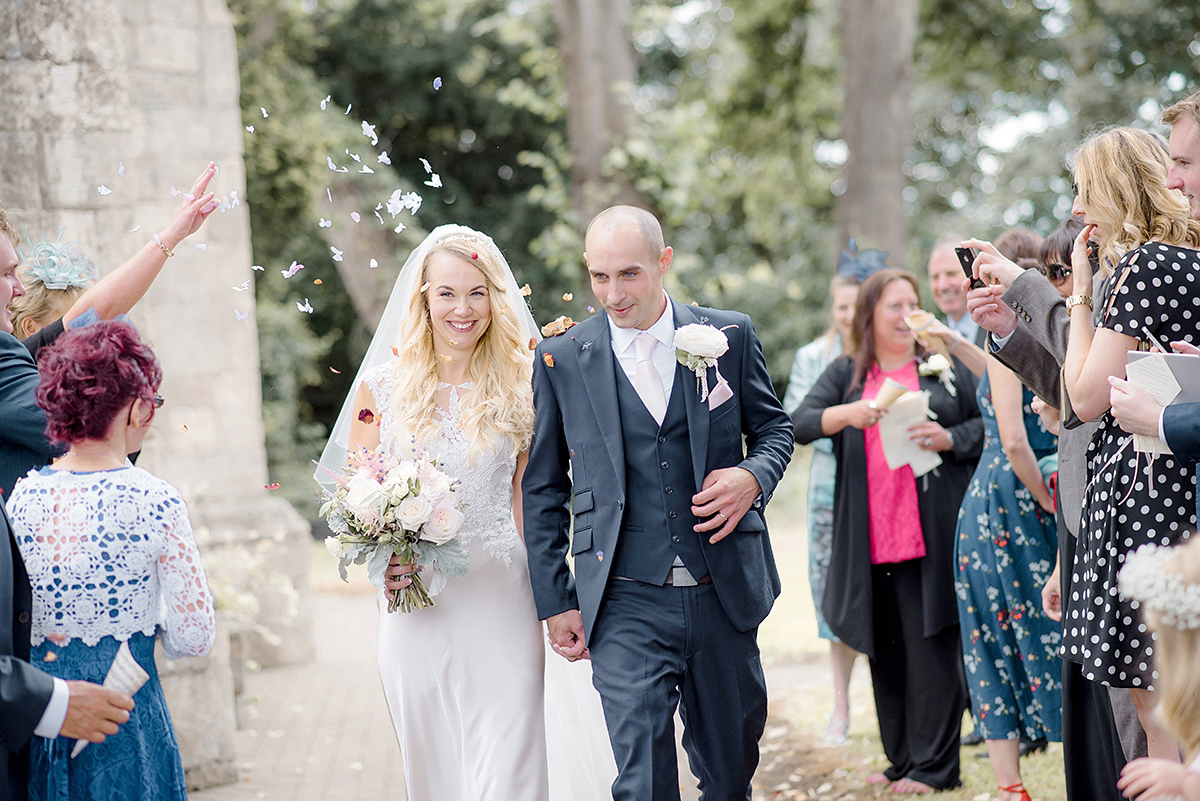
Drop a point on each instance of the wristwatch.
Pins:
(1076, 300)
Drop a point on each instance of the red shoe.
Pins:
(1016, 788)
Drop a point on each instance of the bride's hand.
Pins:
(398, 574)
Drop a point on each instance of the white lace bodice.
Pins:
(486, 494)
(111, 553)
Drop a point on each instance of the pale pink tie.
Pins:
(646, 379)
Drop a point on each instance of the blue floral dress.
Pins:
(1004, 552)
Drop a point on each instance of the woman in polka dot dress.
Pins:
(1131, 499)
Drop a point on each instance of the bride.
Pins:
(448, 371)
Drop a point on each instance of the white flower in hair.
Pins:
(1145, 578)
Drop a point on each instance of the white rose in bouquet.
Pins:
(334, 546)
(413, 512)
(703, 341)
(365, 498)
(443, 524)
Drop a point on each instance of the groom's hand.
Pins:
(725, 496)
(565, 631)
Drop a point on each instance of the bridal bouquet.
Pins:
(383, 506)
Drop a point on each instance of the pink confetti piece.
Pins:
(325, 102)
(305, 307)
(337, 254)
(174, 191)
(354, 215)
(234, 200)
(435, 181)
(210, 206)
(374, 264)
(241, 315)
(188, 197)
(379, 217)
(292, 270)
(384, 158)
(271, 486)
(103, 190)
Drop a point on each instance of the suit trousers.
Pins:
(654, 648)
(919, 691)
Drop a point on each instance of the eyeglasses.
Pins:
(1057, 272)
(158, 401)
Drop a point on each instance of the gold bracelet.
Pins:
(165, 249)
(1078, 300)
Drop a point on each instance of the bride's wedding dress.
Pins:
(464, 679)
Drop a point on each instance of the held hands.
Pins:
(930, 436)
(726, 495)
(94, 712)
(565, 632)
(194, 211)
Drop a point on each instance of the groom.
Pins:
(673, 567)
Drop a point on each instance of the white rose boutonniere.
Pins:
(697, 347)
(940, 368)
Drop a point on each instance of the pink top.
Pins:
(891, 494)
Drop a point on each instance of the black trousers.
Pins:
(654, 648)
(919, 691)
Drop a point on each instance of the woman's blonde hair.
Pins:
(1121, 179)
(41, 304)
(499, 404)
(1176, 655)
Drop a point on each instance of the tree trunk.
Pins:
(601, 72)
(878, 38)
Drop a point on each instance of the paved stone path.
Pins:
(321, 731)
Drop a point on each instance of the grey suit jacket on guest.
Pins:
(578, 426)
(24, 690)
(1036, 352)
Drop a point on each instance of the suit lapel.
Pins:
(599, 381)
(697, 410)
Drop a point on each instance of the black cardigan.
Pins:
(848, 602)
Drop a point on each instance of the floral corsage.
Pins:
(940, 368)
(697, 347)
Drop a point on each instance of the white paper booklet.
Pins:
(910, 409)
(124, 675)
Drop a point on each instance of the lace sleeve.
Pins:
(189, 623)
(379, 381)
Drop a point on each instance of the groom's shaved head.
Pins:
(615, 217)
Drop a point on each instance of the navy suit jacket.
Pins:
(1181, 427)
(578, 425)
(23, 443)
(24, 690)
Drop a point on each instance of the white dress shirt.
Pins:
(663, 356)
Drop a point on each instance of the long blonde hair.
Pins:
(1121, 177)
(1176, 655)
(499, 404)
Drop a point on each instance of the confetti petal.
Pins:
(174, 191)
(347, 112)
(526, 291)
(335, 372)
(244, 286)
(399, 227)
(183, 430)
(366, 416)
(354, 215)
(395, 352)
(425, 164)
(318, 281)
(568, 297)
(325, 102)
(533, 343)
(121, 169)
(369, 131)
(384, 158)
(374, 264)
(249, 129)
(240, 315)
(305, 307)
(104, 190)
(548, 359)
(324, 223)
(258, 267)
(135, 228)
(201, 246)
(329, 162)
(264, 112)
(365, 170)
(294, 268)
(337, 254)
(437, 84)
(50, 657)
(435, 181)
(271, 486)
(591, 309)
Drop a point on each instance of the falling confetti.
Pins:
(135, 228)
(365, 170)
(399, 227)
(533, 343)
(104, 190)
(369, 131)
(435, 181)
(379, 216)
(249, 129)
(591, 309)
(329, 161)
(366, 416)
(347, 112)
(437, 84)
(425, 164)
(183, 430)
(357, 158)
(337, 254)
(174, 191)
(318, 281)
(201, 246)
(324, 223)
(244, 286)
(264, 112)
(294, 268)
(548, 359)
(234, 200)
(335, 372)
(305, 307)
(374, 264)
(354, 215)
(395, 352)
(401, 200)
(568, 297)
(50, 656)
(241, 315)
(325, 102)
(121, 169)
(328, 194)
(271, 486)
(258, 267)
(384, 158)
(526, 291)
